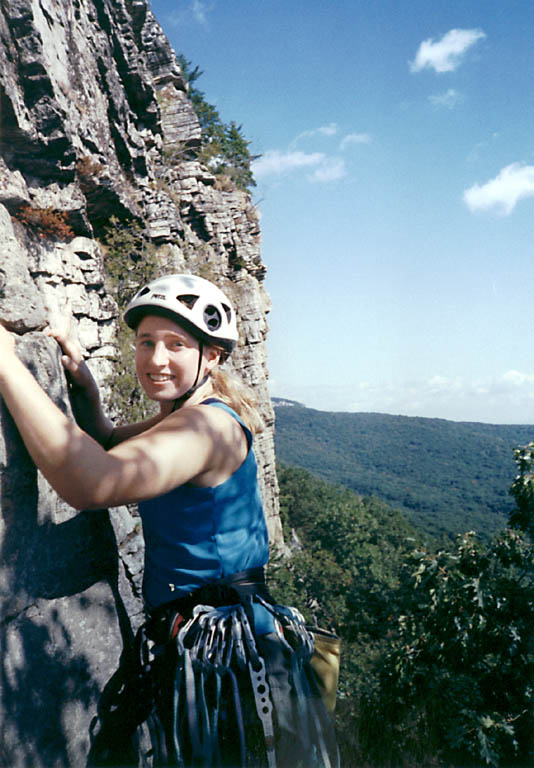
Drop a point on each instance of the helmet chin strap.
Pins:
(197, 384)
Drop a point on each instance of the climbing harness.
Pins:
(198, 684)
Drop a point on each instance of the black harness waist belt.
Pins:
(229, 590)
(250, 579)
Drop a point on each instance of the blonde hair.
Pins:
(239, 396)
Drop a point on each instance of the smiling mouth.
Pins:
(159, 378)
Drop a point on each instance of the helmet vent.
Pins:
(228, 312)
(143, 292)
(212, 317)
(188, 300)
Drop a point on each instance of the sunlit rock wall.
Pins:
(94, 121)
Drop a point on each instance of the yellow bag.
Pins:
(325, 664)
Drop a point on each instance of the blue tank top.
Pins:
(195, 535)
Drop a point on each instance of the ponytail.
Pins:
(235, 393)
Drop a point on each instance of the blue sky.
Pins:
(396, 190)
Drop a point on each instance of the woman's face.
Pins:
(166, 358)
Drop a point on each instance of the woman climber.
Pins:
(219, 675)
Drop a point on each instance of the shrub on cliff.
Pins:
(130, 261)
(47, 223)
(224, 149)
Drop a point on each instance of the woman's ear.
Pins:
(212, 356)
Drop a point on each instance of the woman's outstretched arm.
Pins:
(184, 446)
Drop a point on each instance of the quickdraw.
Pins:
(209, 647)
(187, 677)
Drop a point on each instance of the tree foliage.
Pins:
(523, 490)
(438, 643)
(349, 551)
(224, 149)
(448, 477)
(130, 258)
(343, 575)
(458, 680)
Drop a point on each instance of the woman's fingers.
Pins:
(69, 364)
(72, 359)
(71, 348)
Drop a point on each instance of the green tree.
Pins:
(523, 490)
(343, 574)
(457, 683)
(130, 258)
(224, 149)
(438, 646)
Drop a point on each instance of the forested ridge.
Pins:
(445, 476)
(437, 664)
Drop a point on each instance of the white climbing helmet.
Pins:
(202, 308)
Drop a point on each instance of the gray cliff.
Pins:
(95, 122)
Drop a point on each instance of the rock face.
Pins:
(95, 122)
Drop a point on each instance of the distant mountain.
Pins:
(448, 477)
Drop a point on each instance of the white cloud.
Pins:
(354, 138)
(449, 99)
(195, 11)
(507, 398)
(512, 183)
(328, 130)
(517, 379)
(199, 11)
(331, 169)
(446, 54)
(275, 162)
(323, 130)
(482, 148)
(323, 166)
